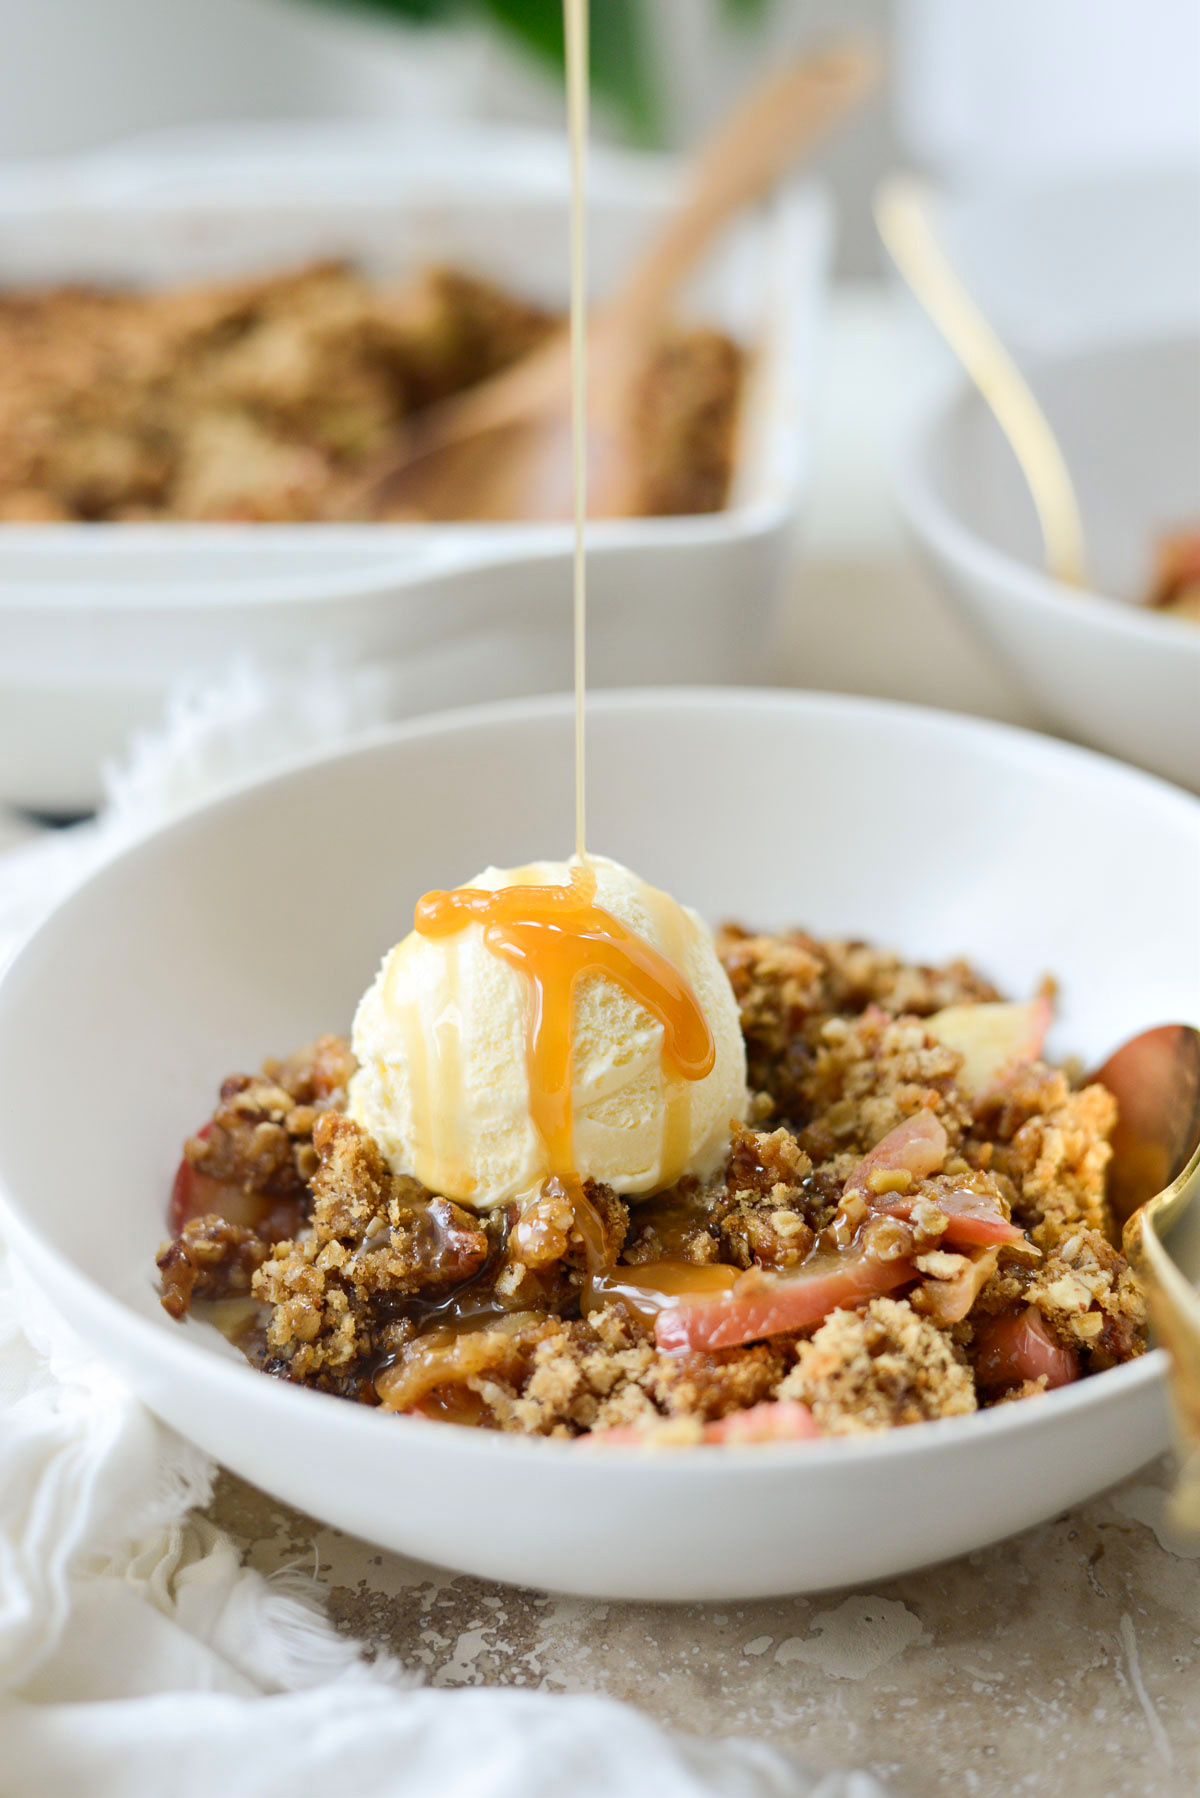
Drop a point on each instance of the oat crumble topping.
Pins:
(988, 1278)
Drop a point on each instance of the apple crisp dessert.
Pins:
(910, 1224)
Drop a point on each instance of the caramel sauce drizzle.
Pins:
(557, 936)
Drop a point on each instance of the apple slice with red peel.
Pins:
(767, 1305)
(994, 1039)
(916, 1147)
(621, 1435)
(980, 1229)
(971, 1221)
(760, 1304)
(775, 1420)
(1010, 1350)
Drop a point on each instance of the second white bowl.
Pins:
(1102, 667)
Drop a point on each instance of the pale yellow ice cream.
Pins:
(443, 1079)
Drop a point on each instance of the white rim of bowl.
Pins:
(945, 1434)
(943, 534)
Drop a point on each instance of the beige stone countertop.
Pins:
(1063, 1662)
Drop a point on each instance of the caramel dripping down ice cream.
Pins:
(557, 1020)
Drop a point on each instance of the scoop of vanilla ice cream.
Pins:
(443, 1083)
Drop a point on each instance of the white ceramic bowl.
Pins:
(256, 921)
(1100, 666)
(99, 621)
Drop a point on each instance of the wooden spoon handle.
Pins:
(758, 143)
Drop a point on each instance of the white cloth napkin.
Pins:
(137, 1655)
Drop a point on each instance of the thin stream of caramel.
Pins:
(557, 935)
(575, 25)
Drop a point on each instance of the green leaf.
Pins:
(745, 12)
(537, 23)
(620, 57)
(622, 69)
(622, 66)
(414, 12)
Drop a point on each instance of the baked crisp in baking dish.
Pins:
(267, 400)
(911, 1224)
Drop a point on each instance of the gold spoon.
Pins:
(1176, 1313)
(1153, 1183)
(1155, 1079)
(501, 449)
(902, 218)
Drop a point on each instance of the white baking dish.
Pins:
(98, 621)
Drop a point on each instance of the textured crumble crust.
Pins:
(369, 1286)
(209, 1259)
(1052, 1145)
(268, 400)
(866, 1075)
(1087, 1293)
(869, 1370)
(790, 987)
(580, 1377)
(373, 1239)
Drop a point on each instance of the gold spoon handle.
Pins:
(902, 217)
(1175, 1308)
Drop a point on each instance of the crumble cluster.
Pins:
(387, 1293)
(268, 400)
(886, 1365)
